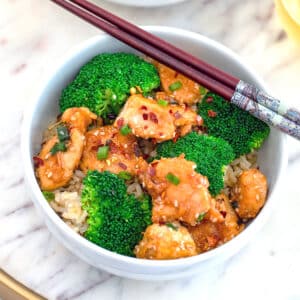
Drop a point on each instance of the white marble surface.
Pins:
(33, 35)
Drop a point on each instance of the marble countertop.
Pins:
(33, 36)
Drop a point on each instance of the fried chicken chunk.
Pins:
(123, 153)
(210, 233)
(57, 169)
(147, 119)
(178, 192)
(250, 193)
(188, 91)
(168, 241)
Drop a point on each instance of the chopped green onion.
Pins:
(61, 146)
(162, 102)
(175, 86)
(202, 90)
(125, 130)
(125, 175)
(172, 178)
(49, 196)
(201, 217)
(102, 152)
(62, 133)
(172, 226)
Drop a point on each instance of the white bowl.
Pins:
(272, 158)
(146, 3)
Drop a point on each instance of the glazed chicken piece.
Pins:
(209, 234)
(188, 91)
(147, 119)
(177, 191)
(56, 170)
(123, 153)
(168, 241)
(249, 194)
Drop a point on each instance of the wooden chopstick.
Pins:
(151, 51)
(155, 41)
(244, 95)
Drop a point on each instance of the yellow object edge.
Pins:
(12, 289)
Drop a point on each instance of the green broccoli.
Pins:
(104, 83)
(225, 120)
(116, 219)
(209, 153)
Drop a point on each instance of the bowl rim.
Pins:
(38, 198)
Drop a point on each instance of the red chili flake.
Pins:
(154, 142)
(153, 117)
(145, 117)
(154, 164)
(161, 134)
(113, 148)
(176, 74)
(144, 107)
(114, 134)
(123, 166)
(37, 161)
(177, 115)
(211, 113)
(223, 213)
(209, 99)
(146, 156)
(170, 111)
(176, 137)
(120, 123)
(145, 127)
(161, 223)
(185, 106)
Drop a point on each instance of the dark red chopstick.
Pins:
(155, 53)
(155, 41)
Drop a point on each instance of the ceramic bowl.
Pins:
(44, 109)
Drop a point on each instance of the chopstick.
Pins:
(159, 43)
(244, 95)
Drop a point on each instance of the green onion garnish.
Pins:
(162, 102)
(202, 90)
(125, 130)
(201, 217)
(172, 226)
(61, 146)
(175, 86)
(172, 178)
(62, 133)
(125, 175)
(102, 152)
(49, 196)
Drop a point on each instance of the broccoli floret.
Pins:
(116, 219)
(225, 120)
(103, 84)
(209, 153)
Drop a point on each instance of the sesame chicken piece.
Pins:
(57, 169)
(123, 153)
(250, 193)
(209, 234)
(78, 117)
(182, 200)
(188, 93)
(147, 119)
(168, 241)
